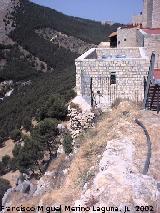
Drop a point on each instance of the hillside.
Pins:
(55, 151)
(106, 169)
(48, 66)
(38, 47)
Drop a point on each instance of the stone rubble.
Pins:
(80, 121)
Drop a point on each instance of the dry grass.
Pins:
(7, 149)
(92, 144)
(12, 177)
(112, 125)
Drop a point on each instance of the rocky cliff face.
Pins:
(107, 170)
(7, 7)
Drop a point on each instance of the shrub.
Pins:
(2, 169)
(27, 124)
(26, 157)
(75, 106)
(2, 137)
(46, 135)
(6, 160)
(4, 186)
(15, 135)
(54, 108)
(116, 103)
(5, 165)
(1, 141)
(67, 143)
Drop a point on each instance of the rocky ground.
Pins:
(63, 40)
(5, 86)
(107, 168)
(6, 19)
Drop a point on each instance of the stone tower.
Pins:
(156, 14)
(151, 13)
(147, 13)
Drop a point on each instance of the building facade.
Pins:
(150, 17)
(156, 14)
(105, 74)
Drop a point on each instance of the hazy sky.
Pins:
(115, 10)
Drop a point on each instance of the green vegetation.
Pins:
(67, 143)
(15, 135)
(46, 133)
(4, 186)
(33, 100)
(33, 16)
(6, 165)
(45, 98)
(28, 157)
(55, 107)
(17, 67)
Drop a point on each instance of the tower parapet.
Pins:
(156, 14)
(147, 13)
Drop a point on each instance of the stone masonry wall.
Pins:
(129, 52)
(130, 75)
(152, 43)
(140, 39)
(156, 14)
(137, 20)
(129, 37)
(147, 13)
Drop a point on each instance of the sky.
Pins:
(101, 10)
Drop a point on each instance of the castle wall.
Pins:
(147, 13)
(137, 20)
(128, 52)
(129, 37)
(140, 38)
(130, 73)
(152, 43)
(156, 14)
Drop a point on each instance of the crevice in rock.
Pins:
(149, 146)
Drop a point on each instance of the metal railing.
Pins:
(150, 79)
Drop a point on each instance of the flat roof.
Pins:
(91, 55)
(155, 31)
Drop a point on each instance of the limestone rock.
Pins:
(116, 183)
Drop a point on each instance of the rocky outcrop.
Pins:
(118, 183)
(38, 64)
(6, 19)
(5, 87)
(63, 40)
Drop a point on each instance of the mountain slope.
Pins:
(106, 169)
(26, 18)
(34, 16)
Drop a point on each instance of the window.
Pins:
(113, 78)
(125, 39)
(119, 42)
